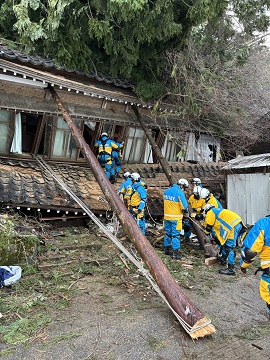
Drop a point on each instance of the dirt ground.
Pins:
(127, 320)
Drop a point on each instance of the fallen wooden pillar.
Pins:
(156, 150)
(202, 238)
(198, 324)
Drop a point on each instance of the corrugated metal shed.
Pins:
(248, 186)
(246, 162)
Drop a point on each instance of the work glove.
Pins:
(136, 211)
(199, 217)
(214, 239)
(186, 214)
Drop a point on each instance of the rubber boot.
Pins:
(228, 271)
(167, 250)
(112, 179)
(221, 259)
(176, 255)
(185, 240)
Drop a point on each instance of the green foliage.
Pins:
(22, 329)
(149, 90)
(129, 38)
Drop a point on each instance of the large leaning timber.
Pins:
(197, 322)
(203, 240)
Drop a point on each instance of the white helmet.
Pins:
(183, 183)
(104, 134)
(205, 193)
(135, 176)
(207, 207)
(196, 181)
(197, 190)
(127, 174)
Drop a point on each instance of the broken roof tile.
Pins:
(37, 188)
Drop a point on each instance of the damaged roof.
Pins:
(35, 60)
(23, 183)
(247, 162)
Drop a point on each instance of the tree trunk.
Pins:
(167, 284)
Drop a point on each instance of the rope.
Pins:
(150, 214)
(189, 329)
(114, 221)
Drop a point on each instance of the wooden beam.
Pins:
(155, 148)
(209, 251)
(165, 281)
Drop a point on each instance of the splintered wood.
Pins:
(208, 329)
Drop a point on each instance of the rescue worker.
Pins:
(209, 198)
(256, 242)
(196, 182)
(117, 158)
(228, 228)
(126, 188)
(197, 204)
(105, 146)
(175, 207)
(137, 201)
(195, 201)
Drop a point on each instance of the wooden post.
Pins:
(165, 281)
(163, 162)
(205, 244)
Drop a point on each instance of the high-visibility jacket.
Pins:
(222, 222)
(126, 188)
(105, 146)
(196, 204)
(138, 196)
(213, 201)
(174, 203)
(258, 240)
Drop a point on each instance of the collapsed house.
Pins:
(35, 131)
(32, 126)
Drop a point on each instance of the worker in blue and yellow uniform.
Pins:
(117, 157)
(209, 198)
(229, 228)
(137, 201)
(126, 188)
(175, 206)
(195, 201)
(257, 241)
(197, 204)
(197, 182)
(105, 146)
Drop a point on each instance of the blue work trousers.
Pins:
(172, 236)
(106, 163)
(230, 244)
